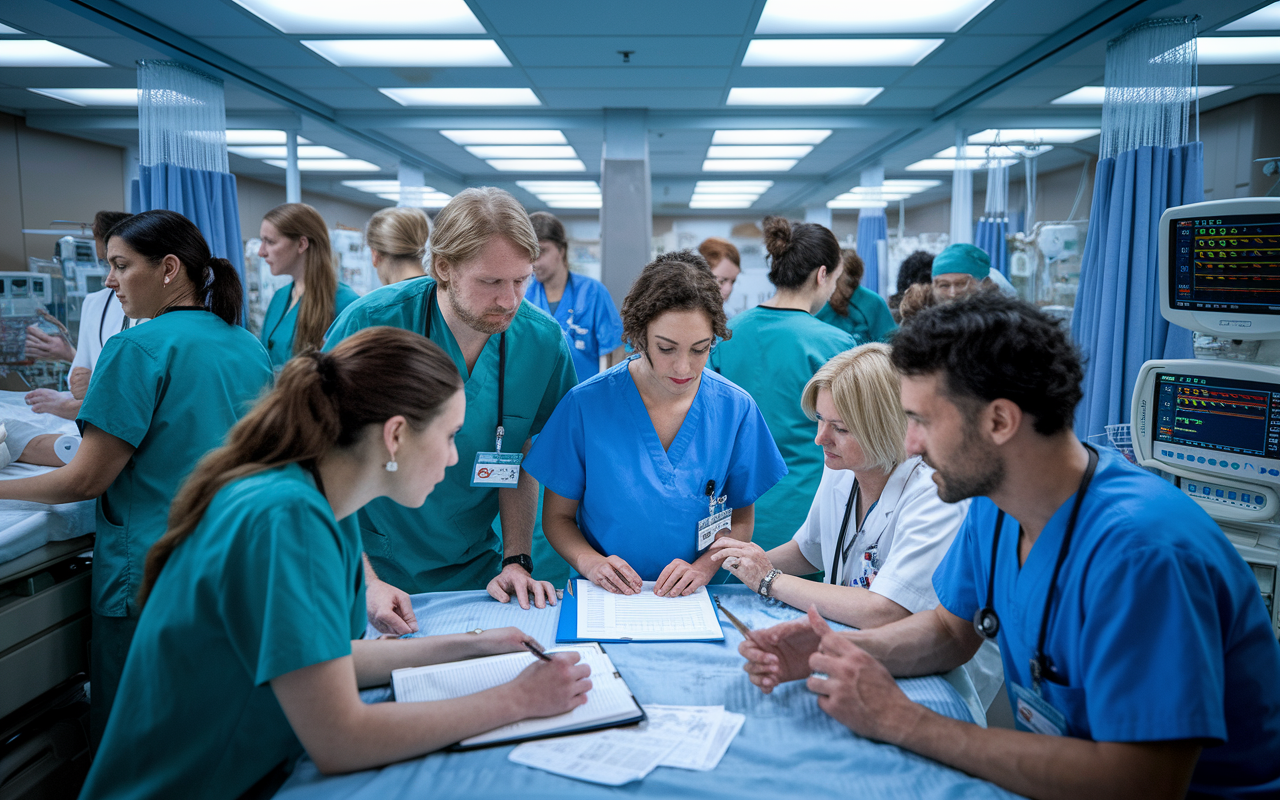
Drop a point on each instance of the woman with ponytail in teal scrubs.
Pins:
(244, 655)
(162, 395)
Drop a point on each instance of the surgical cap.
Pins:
(962, 258)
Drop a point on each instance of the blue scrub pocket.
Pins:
(1071, 702)
(111, 585)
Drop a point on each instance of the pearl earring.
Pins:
(392, 466)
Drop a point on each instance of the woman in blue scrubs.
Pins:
(776, 348)
(295, 242)
(855, 308)
(580, 304)
(634, 458)
(162, 395)
(244, 655)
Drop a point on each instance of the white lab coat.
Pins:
(100, 311)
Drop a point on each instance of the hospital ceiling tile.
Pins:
(265, 51)
(628, 77)
(203, 18)
(651, 51)
(406, 77)
(354, 99)
(1019, 97)
(632, 98)
(1235, 74)
(70, 77)
(817, 76)
(46, 19)
(911, 98)
(941, 76)
(115, 50)
(980, 51)
(1065, 78)
(314, 77)
(1026, 17)
(1091, 55)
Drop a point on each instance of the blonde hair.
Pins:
(470, 220)
(864, 388)
(317, 308)
(399, 232)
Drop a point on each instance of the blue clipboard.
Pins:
(567, 625)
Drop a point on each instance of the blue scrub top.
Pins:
(772, 355)
(636, 500)
(268, 583)
(171, 388)
(1157, 624)
(587, 316)
(869, 318)
(280, 321)
(448, 544)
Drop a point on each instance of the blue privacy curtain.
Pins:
(205, 197)
(1117, 322)
(988, 235)
(873, 227)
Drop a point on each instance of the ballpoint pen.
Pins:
(533, 649)
(737, 623)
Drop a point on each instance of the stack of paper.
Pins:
(605, 616)
(684, 737)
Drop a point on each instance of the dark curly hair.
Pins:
(676, 281)
(990, 346)
(916, 268)
(797, 249)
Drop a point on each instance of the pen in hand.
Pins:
(532, 648)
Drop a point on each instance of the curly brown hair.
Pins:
(675, 281)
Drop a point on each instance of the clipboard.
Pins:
(567, 624)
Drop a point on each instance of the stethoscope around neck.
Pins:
(987, 622)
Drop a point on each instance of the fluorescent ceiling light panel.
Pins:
(383, 16)
(1264, 19)
(259, 137)
(914, 185)
(327, 165)
(92, 97)
(5, 30)
(951, 164)
(410, 52)
(1023, 135)
(41, 53)
(803, 96)
(748, 164)
(770, 137)
(867, 16)
(873, 194)
(732, 198)
(838, 52)
(425, 201)
(731, 186)
(696, 203)
(375, 186)
(759, 151)
(576, 204)
(463, 97)
(505, 137)
(281, 151)
(838, 203)
(537, 164)
(568, 198)
(1093, 95)
(561, 187)
(994, 151)
(522, 151)
(1238, 49)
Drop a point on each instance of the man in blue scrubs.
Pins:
(1149, 671)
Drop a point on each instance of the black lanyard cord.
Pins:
(844, 529)
(502, 359)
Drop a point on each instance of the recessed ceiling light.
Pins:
(748, 164)
(873, 193)
(384, 16)
(463, 97)
(770, 137)
(759, 151)
(426, 200)
(5, 30)
(731, 186)
(92, 97)
(505, 137)
(994, 151)
(1264, 19)
(375, 186)
(585, 202)
(838, 52)
(327, 165)
(803, 96)
(410, 52)
(1025, 135)
(280, 151)
(951, 164)
(867, 16)
(916, 185)
(41, 53)
(731, 198)
(1094, 95)
(696, 203)
(537, 164)
(838, 203)
(241, 136)
(567, 197)
(521, 151)
(1238, 49)
(561, 187)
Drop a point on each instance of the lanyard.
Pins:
(502, 362)
(1040, 665)
(271, 337)
(844, 529)
(124, 326)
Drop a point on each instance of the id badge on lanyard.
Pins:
(870, 567)
(1034, 714)
(716, 521)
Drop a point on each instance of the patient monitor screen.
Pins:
(1230, 416)
(1229, 263)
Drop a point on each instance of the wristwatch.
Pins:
(766, 583)
(523, 560)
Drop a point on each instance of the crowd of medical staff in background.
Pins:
(493, 421)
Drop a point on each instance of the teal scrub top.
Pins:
(268, 583)
(159, 388)
(772, 355)
(869, 318)
(280, 321)
(449, 544)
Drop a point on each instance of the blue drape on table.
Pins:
(1117, 322)
(873, 227)
(989, 236)
(205, 197)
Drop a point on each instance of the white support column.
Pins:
(961, 197)
(626, 216)
(292, 180)
(130, 175)
(412, 179)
